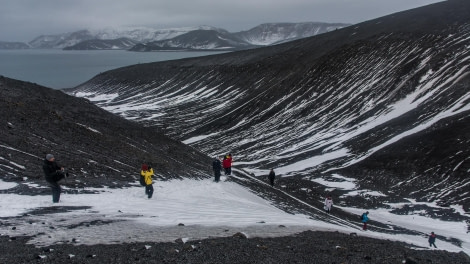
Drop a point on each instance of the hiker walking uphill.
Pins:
(328, 204)
(147, 173)
(54, 173)
(217, 167)
(432, 240)
(364, 219)
(227, 164)
(271, 177)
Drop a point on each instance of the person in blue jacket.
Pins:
(365, 218)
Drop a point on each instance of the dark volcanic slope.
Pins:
(308, 247)
(98, 147)
(385, 101)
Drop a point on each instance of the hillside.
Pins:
(375, 115)
(98, 148)
(384, 102)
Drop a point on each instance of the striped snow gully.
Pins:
(334, 138)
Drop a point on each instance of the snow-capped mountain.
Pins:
(201, 38)
(102, 44)
(137, 34)
(146, 34)
(385, 102)
(273, 33)
(196, 40)
(262, 35)
(61, 40)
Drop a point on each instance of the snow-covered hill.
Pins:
(375, 115)
(383, 102)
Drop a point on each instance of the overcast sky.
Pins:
(23, 20)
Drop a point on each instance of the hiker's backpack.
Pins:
(142, 180)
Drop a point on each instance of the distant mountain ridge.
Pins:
(187, 38)
(196, 40)
(274, 33)
(13, 45)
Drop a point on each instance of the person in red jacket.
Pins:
(432, 240)
(227, 164)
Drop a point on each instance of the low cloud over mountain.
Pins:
(189, 38)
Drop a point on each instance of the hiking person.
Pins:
(217, 167)
(365, 218)
(432, 239)
(271, 177)
(328, 204)
(54, 173)
(227, 164)
(147, 173)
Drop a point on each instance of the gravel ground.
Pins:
(305, 247)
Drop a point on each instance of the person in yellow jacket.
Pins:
(147, 173)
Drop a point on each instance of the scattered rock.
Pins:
(189, 247)
(262, 247)
(240, 235)
(410, 260)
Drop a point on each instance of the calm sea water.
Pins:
(65, 69)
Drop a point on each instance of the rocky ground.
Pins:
(306, 247)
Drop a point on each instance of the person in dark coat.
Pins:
(432, 240)
(271, 177)
(54, 173)
(217, 167)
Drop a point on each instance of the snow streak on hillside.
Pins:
(385, 102)
(346, 98)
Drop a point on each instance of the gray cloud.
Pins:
(22, 20)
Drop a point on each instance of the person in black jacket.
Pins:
(54, 173)
(271, 177)
(216, 166)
